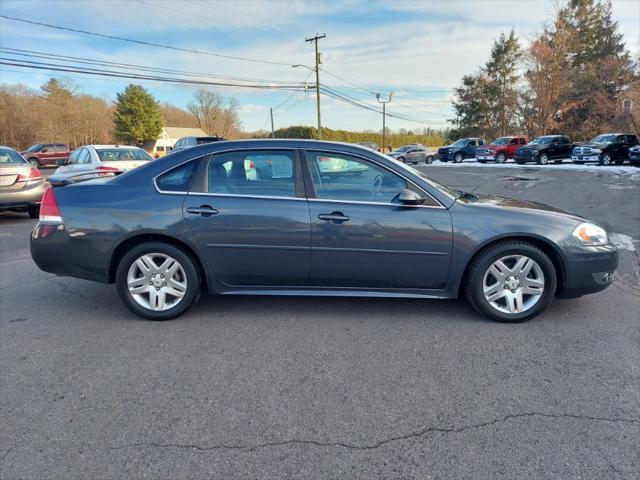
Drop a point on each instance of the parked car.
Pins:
(605, 149)
(634, 156)
(543, 149)
(21, 184)
(186, 142)
(500, 149)
(108, 158)
(460, 149)
(194, 219)
(413, 153)
(46, 154)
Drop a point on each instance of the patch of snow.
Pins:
(622, 241)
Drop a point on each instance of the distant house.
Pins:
(627, 117)
(169, 137)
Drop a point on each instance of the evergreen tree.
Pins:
(472, 107)
(138, 117)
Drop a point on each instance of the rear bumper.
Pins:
(57, 251)
(30, 196)
(589, 270)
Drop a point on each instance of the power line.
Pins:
(141, 42)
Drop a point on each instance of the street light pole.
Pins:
(384, 117)
(315, 41)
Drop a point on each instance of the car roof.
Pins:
(111, 146)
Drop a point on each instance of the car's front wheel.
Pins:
(543, 159)
(34, 162)
(501, 158)
(429, 159)
(605, 159)
(158, 281)
(402, 159)
(458, 158)
(511, 281)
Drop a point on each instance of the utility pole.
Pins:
(273, 133)
(384, 116)
(318, 62)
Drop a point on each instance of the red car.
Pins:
(47, 154)
(500, 149)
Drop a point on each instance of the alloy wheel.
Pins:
(606, 159)
(513, 284)
(157, 281)
(543, 159)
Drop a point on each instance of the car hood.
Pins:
(593, 145)
(481, 200)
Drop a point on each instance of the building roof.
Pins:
(179, 132)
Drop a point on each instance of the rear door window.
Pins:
(270, 173)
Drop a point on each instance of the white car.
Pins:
(107, 158)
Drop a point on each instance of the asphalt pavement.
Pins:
(328, 388)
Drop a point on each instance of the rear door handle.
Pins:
(335, 217)
(204, 210)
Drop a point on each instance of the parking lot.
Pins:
(266, 388)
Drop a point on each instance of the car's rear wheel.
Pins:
(501, 158)
(34, 212)
(429, 159)
(402, 159)
(543, 159)
(158, 281)
(511, 281)
(458, 158)
(34, 162)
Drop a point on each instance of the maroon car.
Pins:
(46, 154)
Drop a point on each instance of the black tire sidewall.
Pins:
(475, 292)
(194, 282)
(458, 158)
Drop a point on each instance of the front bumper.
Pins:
(585, 158)
(29, 196)
(589, 270)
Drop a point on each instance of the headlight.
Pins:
(590, 234)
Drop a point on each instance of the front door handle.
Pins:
(204, 210)
(335, 217)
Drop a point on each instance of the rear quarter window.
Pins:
(178, 179)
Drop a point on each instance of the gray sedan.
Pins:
(21, 185)
(268, 217)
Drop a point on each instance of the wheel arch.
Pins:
(141, 238)
(544, 244)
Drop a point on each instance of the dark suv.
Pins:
(545, 148)
(46, 154)
(460, 149)
(605, 149)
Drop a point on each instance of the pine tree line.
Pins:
(573, 79)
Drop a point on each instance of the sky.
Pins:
(418, 49)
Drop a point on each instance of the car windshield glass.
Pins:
(501, 141)
(460, 142)
(35, 147)
(9, 156)
(542, 141)
(604, 139)
(122, 154)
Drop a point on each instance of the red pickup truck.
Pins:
(500, 149)
(46, 154)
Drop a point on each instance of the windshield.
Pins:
(122, 154)
(501, 141)
(9, 156)
(35, 147)
(604, 139)
(542, 141)
(459, 143)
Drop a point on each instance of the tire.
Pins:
(187, 276)
(34, 212)
(543, 159)
(429, 160)
(480, 275)
(34, 162)
(402, 159)
(501, 158)
(458, 157)
(605, 159)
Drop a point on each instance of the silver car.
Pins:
(21, 185)
(109, 158)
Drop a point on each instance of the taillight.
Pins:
(49, 211)
(34, 174)
(107, 170)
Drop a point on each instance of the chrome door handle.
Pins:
(335, 217)
(204, 210)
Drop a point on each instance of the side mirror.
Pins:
(409, 197)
